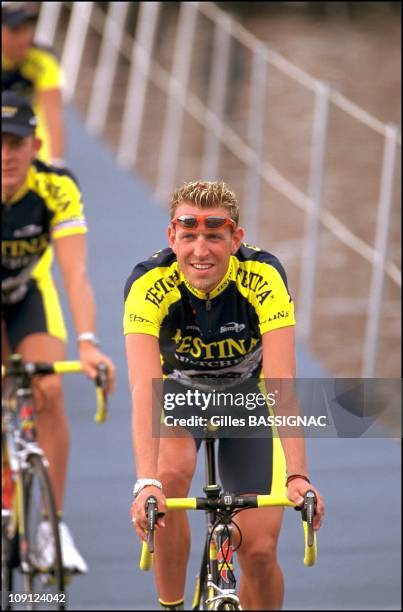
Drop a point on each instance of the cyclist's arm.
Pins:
(50, 101)
(143, 358)
(71, 253)
(144, 364)
(279, 363)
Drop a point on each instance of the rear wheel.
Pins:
(46, 583)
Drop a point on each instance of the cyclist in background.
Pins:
(210, 305)
(42, 210)
(33, 71)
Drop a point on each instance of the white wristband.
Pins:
(88, 337)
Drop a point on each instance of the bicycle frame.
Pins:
(20, 438)
(218, 551)
(20, 445)
(20, 442)
(217, 508)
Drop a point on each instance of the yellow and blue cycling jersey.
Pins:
(39, 71)
(217, 334)
(47, 207)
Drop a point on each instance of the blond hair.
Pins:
(206, 194)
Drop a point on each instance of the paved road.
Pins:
(359, 546)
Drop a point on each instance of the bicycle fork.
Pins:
(224, 596)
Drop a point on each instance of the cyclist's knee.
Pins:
(49, 393)
(259, 557)
(175, 481)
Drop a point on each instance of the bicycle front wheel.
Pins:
(202, 592)
(40, 549)
(8, 549)
(9, 538)
(228, 606)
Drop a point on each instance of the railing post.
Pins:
(309, 260)
(137, 86)
(74, 45)
(45, 30)
(106, 67)
(178, 84)
(256, 135)
(381, 247)
(216, 96)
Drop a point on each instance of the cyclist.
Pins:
(33, 71)
(41, 209)
(210, 303)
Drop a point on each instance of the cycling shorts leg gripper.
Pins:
(172, 605)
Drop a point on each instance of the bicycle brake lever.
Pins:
(101, 378)
(101, 381)
(308, 511)
(309, 497)
(152, 514)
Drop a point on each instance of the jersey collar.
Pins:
(222, 285)
(23, 190)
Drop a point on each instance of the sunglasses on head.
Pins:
(210, 221)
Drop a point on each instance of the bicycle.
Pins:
(27, 496)
(216, 582)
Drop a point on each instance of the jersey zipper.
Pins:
(208, 309)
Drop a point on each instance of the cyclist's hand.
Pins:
(90, 357)
(138, 511)
(295, 493)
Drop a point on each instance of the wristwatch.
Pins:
(88, 337)
(145, 482)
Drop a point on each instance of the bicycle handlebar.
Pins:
(230, 502)
(17, 367)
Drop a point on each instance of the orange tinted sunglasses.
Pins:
(210, 221)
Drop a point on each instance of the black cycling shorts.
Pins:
(39, 311)
(254, 465)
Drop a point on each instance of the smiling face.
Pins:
(203, 254)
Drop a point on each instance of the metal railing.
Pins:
(144, 70)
